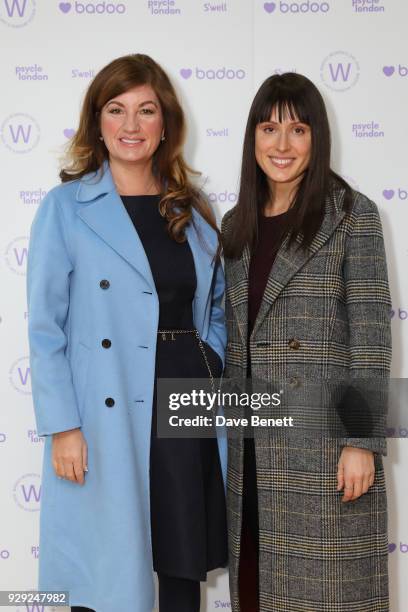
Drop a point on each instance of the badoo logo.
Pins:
(20, 133)
(399, 70)
(400, 314)
(212, 74)
(16, 255)
(92, 8)
(400, 194)
(17, 13)
(4, 554)
(20, 376)
(340, 71)
(297, 7)
(403, 548)
(223, 197)
(27, 492)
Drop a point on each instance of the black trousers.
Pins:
(249, 559)
(175, 595)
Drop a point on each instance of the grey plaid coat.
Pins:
(316, 554)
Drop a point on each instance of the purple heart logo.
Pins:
(269, 7)
(69, 132)
(186, 73)
(388, 70)
(388, 194)
(391, 547)
(65, 7)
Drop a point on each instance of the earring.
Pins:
(163, 138)
(100, 137)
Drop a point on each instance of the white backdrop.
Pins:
(217, 54)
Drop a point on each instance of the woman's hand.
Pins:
(355, 472)
(70, 455)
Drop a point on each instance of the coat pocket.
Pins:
(80, 366)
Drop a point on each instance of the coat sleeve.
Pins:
(48, 288)
(368, 308)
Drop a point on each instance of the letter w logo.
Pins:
(18, 5)
(21, 255)
(32, 492)
(24, 375)
(340, 70)
(19, 132)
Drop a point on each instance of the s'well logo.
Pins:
(20, 133)
(27, 492)
(368, 6)
(20, 375)
(213, 74)
(17, 13)
(399, 70)
(92, 8)
(398, 193)
(16, 255)
(351, 181)
(340, 71)
(308, 6)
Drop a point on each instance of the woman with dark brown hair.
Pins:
(308, 315)
(125, 287)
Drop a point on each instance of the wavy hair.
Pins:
(86, 152)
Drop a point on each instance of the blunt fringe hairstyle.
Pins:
(86, 152)
(296, 97)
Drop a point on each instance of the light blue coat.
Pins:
(95, 539)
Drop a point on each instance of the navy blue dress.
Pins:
(188, 514)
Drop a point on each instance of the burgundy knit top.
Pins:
(271, 231)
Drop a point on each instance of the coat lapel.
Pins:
(290, 260)
(106, 215)
(237, 287)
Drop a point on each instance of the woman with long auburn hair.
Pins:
(308, 315)
(125, 287)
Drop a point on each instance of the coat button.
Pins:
(109, 402)
(294, 344)
(104, 284)
(106, 343)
